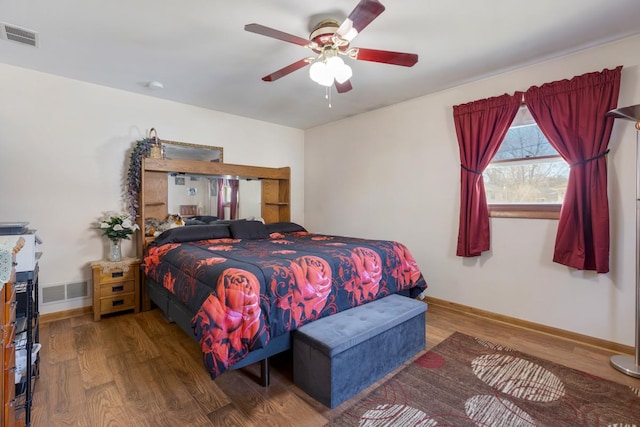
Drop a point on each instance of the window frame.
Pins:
(521, 210)
(525, 210)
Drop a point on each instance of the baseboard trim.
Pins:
(583, 339)
(66, 314)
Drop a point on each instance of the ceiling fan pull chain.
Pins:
(327, 94)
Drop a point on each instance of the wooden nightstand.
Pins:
(116, 286)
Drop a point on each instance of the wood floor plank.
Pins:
(229, 416)
(140, 370)
(130, 337)
(66, 391)
(129, 376)
(94, 368)
(196, 379)
(105, 407)
(61, 341)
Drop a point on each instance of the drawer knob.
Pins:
(117, 302)
(117, 274)
(118, 288)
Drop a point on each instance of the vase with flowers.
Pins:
(116, 227)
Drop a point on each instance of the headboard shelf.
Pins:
(215, 168)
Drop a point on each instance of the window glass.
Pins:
(526, 169)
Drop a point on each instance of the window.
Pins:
(527, 178)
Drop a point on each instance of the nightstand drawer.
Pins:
(117, 303)
(114, 275)
(114, 289)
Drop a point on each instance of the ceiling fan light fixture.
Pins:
(320, 73)
(340, 71)
(334, 64)
(324, 71)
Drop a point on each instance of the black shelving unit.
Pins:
(27, 314)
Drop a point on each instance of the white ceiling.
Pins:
(200, 52)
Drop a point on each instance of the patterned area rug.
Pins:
(466, 381)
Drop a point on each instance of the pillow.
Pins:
(194, 222)
(206, 218)
(284, 227)
(227, 221)
(252, 230)
(192, 233)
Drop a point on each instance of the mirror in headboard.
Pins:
(193, 195)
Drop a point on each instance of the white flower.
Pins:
(117, 226)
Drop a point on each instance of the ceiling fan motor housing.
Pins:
(323, 33)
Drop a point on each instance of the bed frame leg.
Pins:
(264, 372)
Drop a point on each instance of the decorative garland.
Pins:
(134, 176)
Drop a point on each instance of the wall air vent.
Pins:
(64, 292)
(17, 34)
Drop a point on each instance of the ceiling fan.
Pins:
(330, 40)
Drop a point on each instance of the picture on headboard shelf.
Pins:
(188, 151)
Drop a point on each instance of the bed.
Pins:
(239, 288)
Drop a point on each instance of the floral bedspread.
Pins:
(245, 292)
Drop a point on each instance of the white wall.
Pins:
(394, 174)
(64, 149)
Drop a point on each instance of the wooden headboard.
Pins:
(275, 184)
(153, 198)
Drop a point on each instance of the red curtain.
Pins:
(233, 209)
(220, 184)
(481, 127)
(571, 114)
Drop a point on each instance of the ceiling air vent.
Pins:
(17, 34)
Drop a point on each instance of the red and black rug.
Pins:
(466, 381)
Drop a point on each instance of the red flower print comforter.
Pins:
(245, 292)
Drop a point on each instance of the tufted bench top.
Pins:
(342, 331)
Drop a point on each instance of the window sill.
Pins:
(531, 211)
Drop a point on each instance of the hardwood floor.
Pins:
(139, 370)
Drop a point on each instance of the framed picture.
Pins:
(187, 151)
(179, 180)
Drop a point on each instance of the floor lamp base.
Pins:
(626, 365)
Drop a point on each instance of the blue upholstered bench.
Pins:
(338, 356)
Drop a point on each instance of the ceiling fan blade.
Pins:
(276, 34)
(286, 70)
(364, 13)
(385, 56)
(343, 87)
